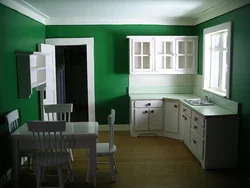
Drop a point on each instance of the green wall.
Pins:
(111, 52)
(240, 72)
(17, 33)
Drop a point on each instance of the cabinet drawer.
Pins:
(143, 104)
(196, 145)
(198, 119)
(186, 110)
(197, 129)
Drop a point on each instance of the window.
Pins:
(216, 62)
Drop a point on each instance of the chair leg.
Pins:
(88, 172)
(112, 170)
(38, 177)
(71, 154)
(114, 163)
(44, 172)
(60, 177)
(69, 169)
(28, 162)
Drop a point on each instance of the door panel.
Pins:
(155, 119)
(141, 119)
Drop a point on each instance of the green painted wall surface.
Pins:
(240, 72)
(17, 33)
(111, 52)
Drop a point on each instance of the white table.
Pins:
(85, 135)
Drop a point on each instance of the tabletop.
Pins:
(72, 128)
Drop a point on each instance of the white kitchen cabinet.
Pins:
(31, 72)
(141, 55)
(212, 139)
(146, 117)
(171, 118)
(184, 122)
(163, 54)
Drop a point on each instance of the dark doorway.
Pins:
(72, 85)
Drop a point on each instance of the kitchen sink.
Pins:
(199, 102)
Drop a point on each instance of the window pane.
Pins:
(181, 47)
(224, 71)
(225, 40)
(146, 48)
(190, 60)
(146, 63)
(215, 41)
(169, 63)
(215, 69)
(137, 48)
(181, 64)
(190, 47)
(169, 47)
(137, 62)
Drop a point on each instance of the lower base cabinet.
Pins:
(146, 117)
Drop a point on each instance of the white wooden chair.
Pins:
(59, 112)
(107, 149)
(51, 146)
(12, 121)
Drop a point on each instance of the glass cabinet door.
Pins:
(185, 55)
(164, 55)
(142, 60)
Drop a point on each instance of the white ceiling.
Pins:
(186, 12)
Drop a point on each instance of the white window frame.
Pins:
(207, 35)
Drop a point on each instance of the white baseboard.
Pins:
(117, 127)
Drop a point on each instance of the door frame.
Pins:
(90, 66)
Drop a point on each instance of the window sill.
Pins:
(215, 92)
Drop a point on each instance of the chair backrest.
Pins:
(48, 137)
(111, 122)
(58, 111)
(12, 120)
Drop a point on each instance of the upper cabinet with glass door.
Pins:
(163, 54)
(141, 55)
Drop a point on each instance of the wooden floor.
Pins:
(148, 162)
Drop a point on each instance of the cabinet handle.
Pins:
(184, 110)
(145, 111)
(195, 127)
(175, 106)
(152, 111)
(194, 142)
(149, 104)
(195, 119)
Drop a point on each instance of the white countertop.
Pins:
(214, 110)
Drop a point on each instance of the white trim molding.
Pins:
(31, 12)
(220, 9)
(119, 21)
(90, 66)
(117, 127)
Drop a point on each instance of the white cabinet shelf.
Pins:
(163, 54)
(31, 72)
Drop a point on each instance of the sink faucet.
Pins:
(208, 99)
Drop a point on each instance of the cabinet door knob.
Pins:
(175, 106)
(195, 127)
(194, 142)
(184, 110)
(195, 119)
(152, 111)
(145, 111)
(149, 104)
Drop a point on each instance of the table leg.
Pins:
(15, 163)
(92, 156)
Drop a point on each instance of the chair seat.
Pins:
(103, 149)
(52, 159)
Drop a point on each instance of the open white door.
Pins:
(50, 96)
